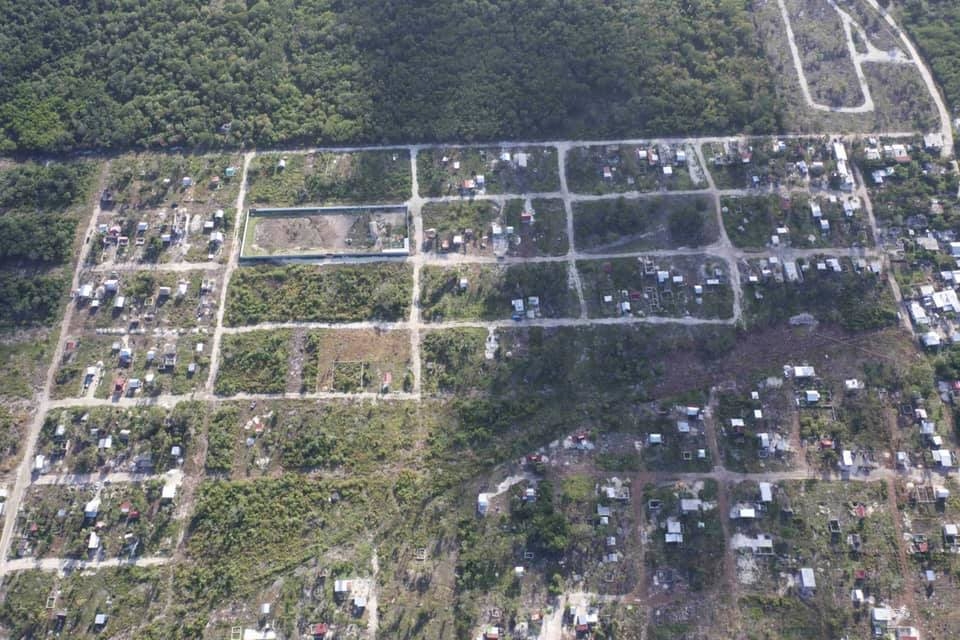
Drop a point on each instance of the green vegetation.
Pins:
(935, 26)
(242, 533)
(857, 300)
(130, 596)
(326, 294)
(146, 433)
(268, 73)
(254, 362)
(131, 519)
(621, 168)
(751, 222)
(454, 360)
(222, 439)
(546, 235)
(38, 221)
(30, 300)
(490, 290)
(456, 217)
(362, 177)
(638, 224)
(442, 171)
(676, 287)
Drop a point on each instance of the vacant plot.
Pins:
(662, 222)
(824, 53)
(620, 168)
(695, 286)
(13, 427)
(800, 220)
(254, 362)
(492, 292)
(328, 231)
(452, 171)
(356, 360)
(324, 294)
(361, 177)
(25, 355)
(347, 436)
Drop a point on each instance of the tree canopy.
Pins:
(154, 73)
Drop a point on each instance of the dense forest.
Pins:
(80, 74)
(935, 26)
(37, 231)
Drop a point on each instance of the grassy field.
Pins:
(254, 362)
(361, 360)
(491, 288)
(328, 294)
(362, 177)
(662, 222)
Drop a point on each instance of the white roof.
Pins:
(766, 492)
(946, 300)
(950, 530)
(881, 614)
(807, 579)
(803, 372)
(690, 504)
(839, 151)
(847, 458)
(93, 506)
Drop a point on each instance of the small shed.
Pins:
(766, 492)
